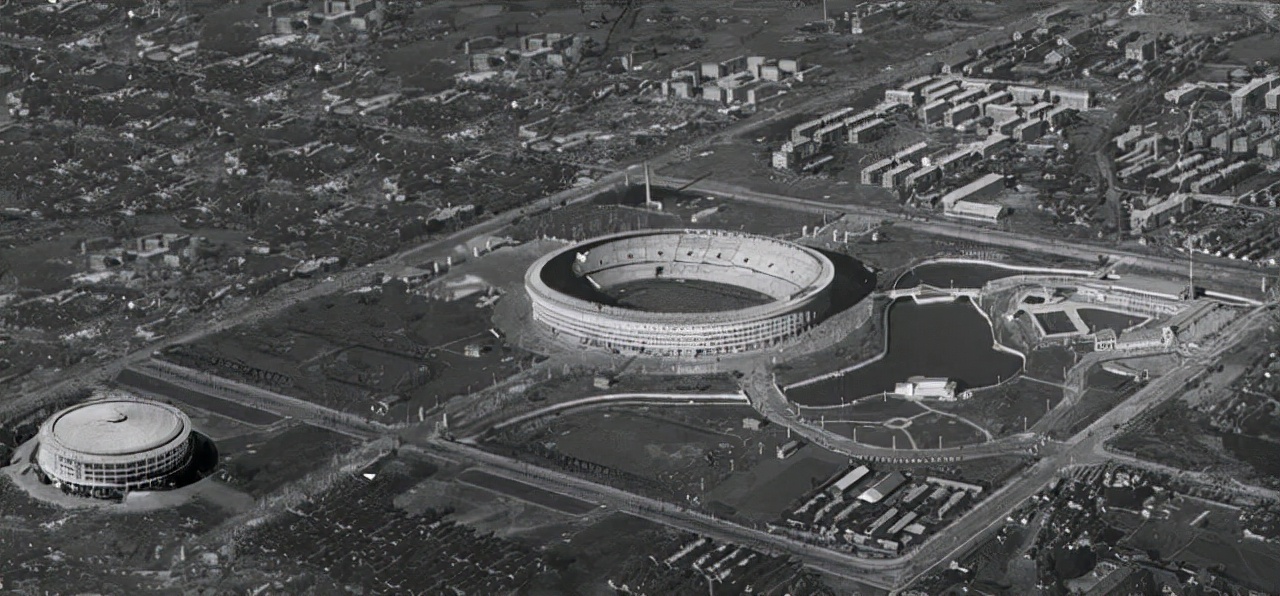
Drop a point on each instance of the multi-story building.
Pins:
(1141, 49)
(987, 186)
(1251, 95)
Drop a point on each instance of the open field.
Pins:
(582, 384)
(497, 510)
(698, 452)
(878, 419)
(261, 463)
(1049, 363)
(765, 491)
(526, 492)
(1221, 425)
(1103, 390)
(588, 220)
(1008, 408)
(1263, 46)
(876, 435)
(204, 401)
(936, 430)
(1175, 437)
(873, 408)
(658, 445)
(616, 210)
(384, 352)
(1263, 455)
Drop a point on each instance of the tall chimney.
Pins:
(648, 194)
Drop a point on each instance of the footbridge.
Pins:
(924, 293)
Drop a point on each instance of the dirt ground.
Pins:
(262, 462)
(485, 510)
(766, 491)
(1263, 46)
(390, 344)
(654, 444)
(699, 453)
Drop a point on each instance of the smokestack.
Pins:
(648, 193)
(1191, 271)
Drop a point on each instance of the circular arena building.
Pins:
(115, 444)
(755, 292)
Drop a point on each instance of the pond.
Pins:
(951, 339)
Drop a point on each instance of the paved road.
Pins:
(1084, 448)
(81, 377)
(986, 517)
(772, 403)
(284, 297)
(257, 397)
(1206, 271)
(881, 573)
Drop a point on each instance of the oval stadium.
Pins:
(680, 293)
(115, 444)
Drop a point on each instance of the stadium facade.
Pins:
(563, 289)
(114, 444)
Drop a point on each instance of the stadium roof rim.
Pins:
(536, 285)
(117, 426)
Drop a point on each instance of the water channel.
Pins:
(953, 274)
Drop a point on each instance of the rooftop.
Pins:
(117, 426)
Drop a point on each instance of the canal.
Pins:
(954, 274)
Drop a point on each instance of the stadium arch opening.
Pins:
(786, 289)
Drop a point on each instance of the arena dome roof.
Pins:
(117, 426)
(117, 442)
